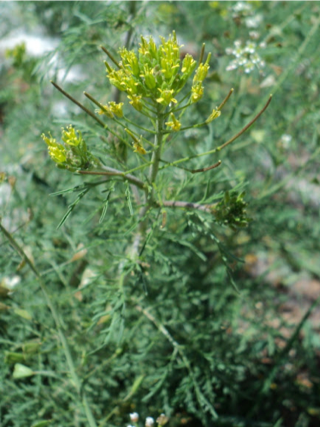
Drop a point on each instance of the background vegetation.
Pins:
(228, 333)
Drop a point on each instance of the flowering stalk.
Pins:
(152, 80)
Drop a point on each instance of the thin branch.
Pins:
(206, 169)
(215, 150)
(247, 126)
(115, 172)
(188, 205)
(225, 99)
(200, 124)
(79, 105)
(110, 56)
(97, 103)
(202, 53)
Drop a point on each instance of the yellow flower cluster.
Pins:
(174, 124)
(214, 115)
(73, 154)
(57, 151)
(112, 109)
(137, 143)
(201, 74)
(156, 72)
(70, 137)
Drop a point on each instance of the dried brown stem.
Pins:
(97, 103)
(110, 56)
(202, 53)
(225, 99)
(206, 169)
(115, 172)
(66, 94)
(246, 127)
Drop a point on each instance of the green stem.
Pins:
(139, 127)
(64, 342)
(158, 146)
(215, 150)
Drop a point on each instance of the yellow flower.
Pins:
(70, 137)
(138, 148)
(105, 110)
(149, 78)
(202, 71)
(188, 65)
(197, 92)
(148, 48)
(129, 59)
(57, 151)
(166, 97)
(118, 79)
(214, 115)
(116, 108)
(135, 101)
(174, 124)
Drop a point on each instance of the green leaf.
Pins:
(21, 371)
(23, 313)
(42, 423)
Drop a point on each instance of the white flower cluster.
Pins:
(246, 57)
(243, 10)
(161, 420)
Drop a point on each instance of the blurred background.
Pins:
(242, 304)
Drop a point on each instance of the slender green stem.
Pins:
(225, 100)
(75, 379)
(215, 150)
(140, 127)
(158, 144)
(185, 128)
(138, 168)
(114, 172)
(110, 56)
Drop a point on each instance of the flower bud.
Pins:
(134, 417)
(174, 124)
(149, 422)
(214, 115)
(162, 420)
(166, 97)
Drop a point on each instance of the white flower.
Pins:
(248, 67)
(241, 8)
(134, 417)
(253, 21)
(250, 47)
(149, 422)
(242, 61)
(246, 58)
(286, 139)
(232, 66)
(255, 59)
(254, 35)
